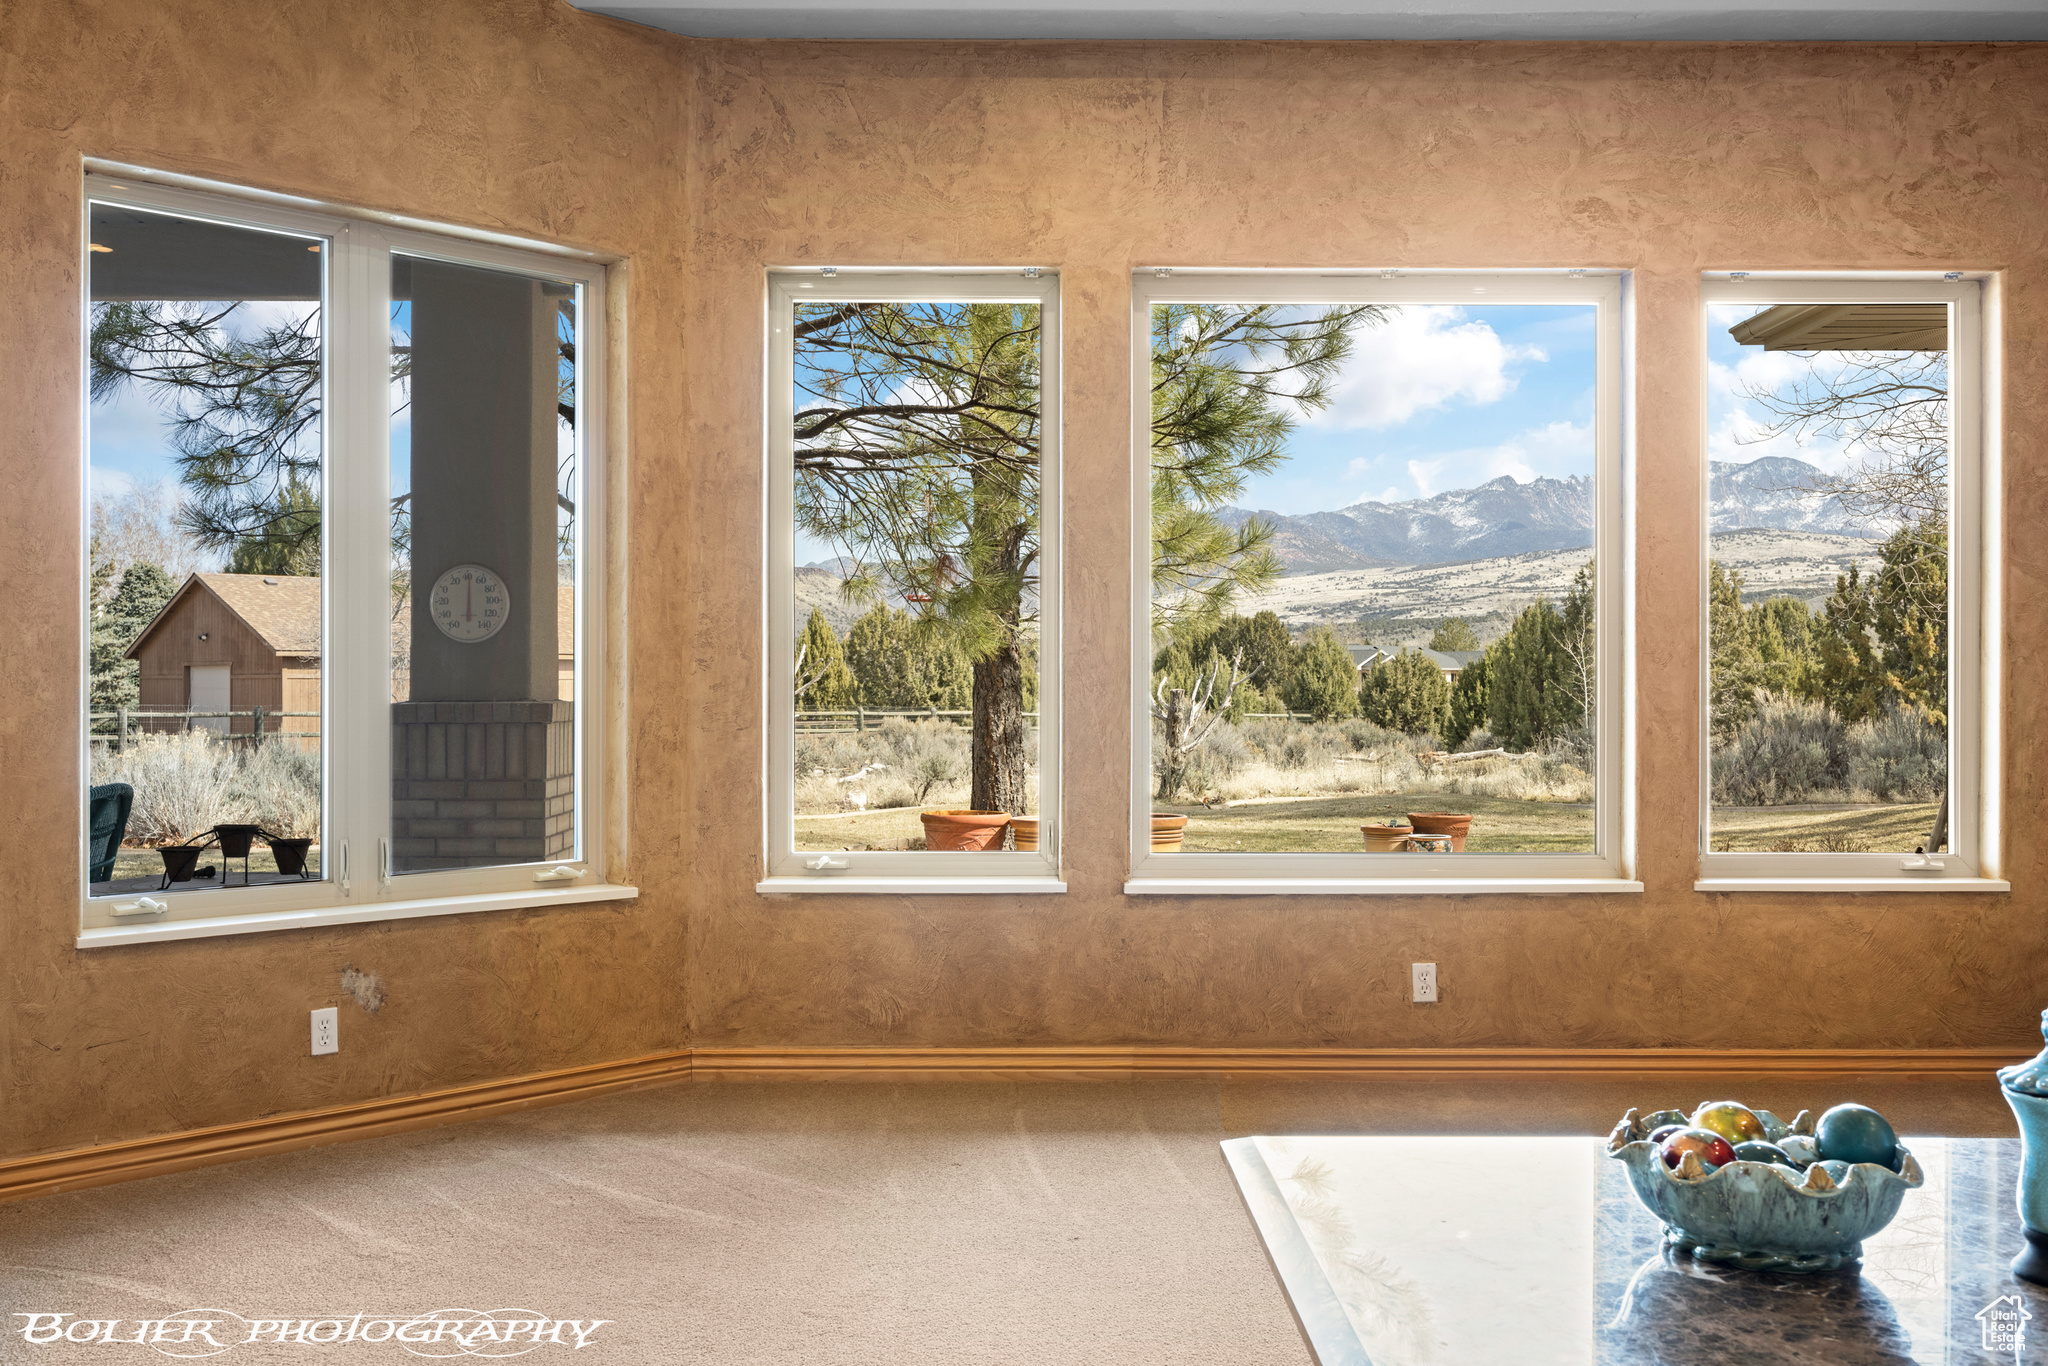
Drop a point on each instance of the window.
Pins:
(340, 479)
(913, 582)
(1381, 615)
(1847, 728)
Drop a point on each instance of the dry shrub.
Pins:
(188, 782)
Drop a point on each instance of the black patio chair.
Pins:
(106, 810)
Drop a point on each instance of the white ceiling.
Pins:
(1708, 20)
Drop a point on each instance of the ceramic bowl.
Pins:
(1759, 1215)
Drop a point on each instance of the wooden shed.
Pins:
(234, 642)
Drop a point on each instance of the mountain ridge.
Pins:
(1505, 517)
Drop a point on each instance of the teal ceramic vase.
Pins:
(2025, 1086)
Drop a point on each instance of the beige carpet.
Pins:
(729, 1224)
(793, 1223)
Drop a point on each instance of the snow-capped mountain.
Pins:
(1506, 517)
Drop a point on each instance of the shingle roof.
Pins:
(284, 610)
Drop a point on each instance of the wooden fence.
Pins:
(870, 718)
(123, 723)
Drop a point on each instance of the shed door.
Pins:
(209, 693)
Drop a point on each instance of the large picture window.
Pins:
(339, 478)
(1381, 632)
(1845, 719)
(912, 675)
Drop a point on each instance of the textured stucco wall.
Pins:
(1667, 159)
(728, 157)
(520, 116)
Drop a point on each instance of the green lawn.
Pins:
(1501, 825)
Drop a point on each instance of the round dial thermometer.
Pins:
(470, 603)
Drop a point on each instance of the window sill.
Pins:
(834, 884)
(1335, 886)
(259, 922)
(1908, 883)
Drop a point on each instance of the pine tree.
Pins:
(899, 662)
(1325, 682)
(1454, 633)
(288, 542)
(1229, 382)
(1264, 645)
(1534, 691)
(1407, 693)
(824, 683)
(1883, 640)
(115, 680)
(1468, 704)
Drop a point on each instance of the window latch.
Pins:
(825, 863)
(383, 861)
(147, 905)
(1921, 863)
(342, 871)
(561, 872)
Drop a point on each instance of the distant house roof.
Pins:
(284, 610)
(1449, 661)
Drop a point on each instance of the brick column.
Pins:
(479, 784)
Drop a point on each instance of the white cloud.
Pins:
(1424, 473)
(1556, 450)
(1738, 425)
(101, 482)
(1420, 358)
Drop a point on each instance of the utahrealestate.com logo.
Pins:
(210, 1332)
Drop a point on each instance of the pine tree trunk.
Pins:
(1000, 760)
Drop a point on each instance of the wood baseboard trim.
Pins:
(99, 1166)
(83, 1167)
(1321, 1064)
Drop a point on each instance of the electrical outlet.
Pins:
(1423, 976)
(326, 1031)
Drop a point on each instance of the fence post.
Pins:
(121, 713)
(860, 718)
(257, 743)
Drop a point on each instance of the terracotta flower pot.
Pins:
(1167, 832)
(964, 829)
(1026, 830)
(1442, 823)
(1386, 839)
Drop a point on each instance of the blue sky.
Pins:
(1440, 397)
(1736, 422)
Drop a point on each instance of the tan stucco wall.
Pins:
(1666, 159)
(523, 117)
(728, 157)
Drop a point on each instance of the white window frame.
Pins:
(1973, 597)
(920, 871)
(356, 884)
(1611, 868)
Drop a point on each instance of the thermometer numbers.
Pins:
(470, 603)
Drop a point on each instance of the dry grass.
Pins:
(1510, 777)
(1862, 828)
(1330, 825)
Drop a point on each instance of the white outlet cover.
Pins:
(1423, 977)
(326, 1031)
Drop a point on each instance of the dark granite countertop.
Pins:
(1413, 1251)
